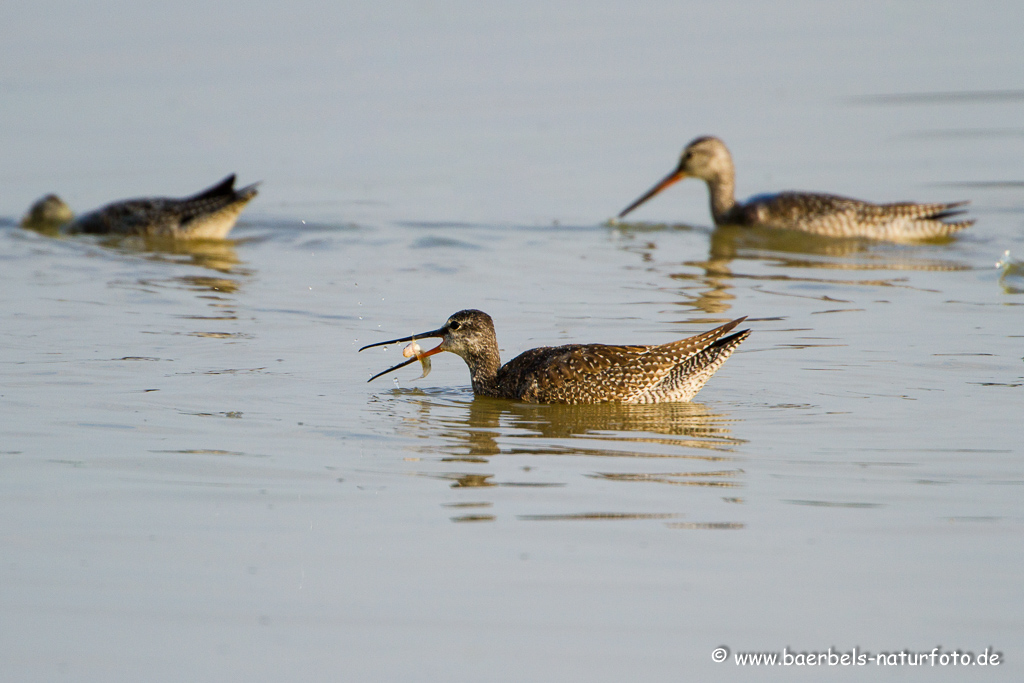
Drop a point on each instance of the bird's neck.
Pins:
(483, 370)
(722, 188)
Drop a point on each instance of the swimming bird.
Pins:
(708, 159)
(208, 215)
(580, 373)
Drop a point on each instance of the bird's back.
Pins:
(597, 373)
(835, 216)
(208, 215)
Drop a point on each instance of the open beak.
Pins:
(440, 332)
(673, 177)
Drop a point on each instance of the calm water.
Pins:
(199, 484)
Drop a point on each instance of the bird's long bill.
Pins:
(673, 177)
(437, 349)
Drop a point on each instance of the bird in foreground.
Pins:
(708, 159)
(208, 215)
(580, 373)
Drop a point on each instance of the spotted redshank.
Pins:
(208, 215)
(581, 373)
(708, 159)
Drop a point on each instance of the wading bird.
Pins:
(208, 215)
(580, 373)
(708, 159)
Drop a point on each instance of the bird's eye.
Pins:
(454, 325)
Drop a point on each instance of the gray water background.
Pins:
(199, 484)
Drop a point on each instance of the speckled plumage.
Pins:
(582, 373)
(708, 159)
(208, 215)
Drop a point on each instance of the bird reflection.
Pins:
(817, 251)
(213, 292)
(473, 480)
(710, 289)
(676, 444)
(218, 255)
(482, 428)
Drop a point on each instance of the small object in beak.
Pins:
(413, 349)
(412, 354)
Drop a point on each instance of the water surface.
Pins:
(198, 482)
